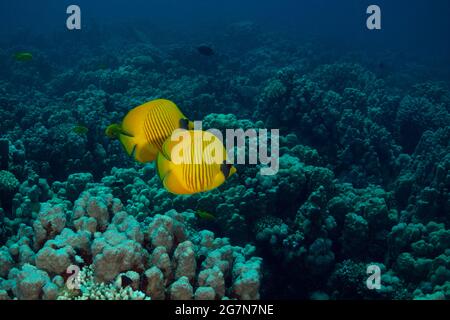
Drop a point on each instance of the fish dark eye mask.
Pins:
(225, 168)
(184, 124)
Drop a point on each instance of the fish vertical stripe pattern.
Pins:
(198, 175)
(159, 124)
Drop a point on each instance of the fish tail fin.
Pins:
(114, 131)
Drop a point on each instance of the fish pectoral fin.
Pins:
(133, 151)
(146, 153)
(163, 166)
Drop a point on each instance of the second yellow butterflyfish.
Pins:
(193, 161)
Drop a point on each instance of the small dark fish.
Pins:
(205, 50)
(80, 130)
(23, 56)
(204, 215)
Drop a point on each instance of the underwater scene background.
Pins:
(364, 176)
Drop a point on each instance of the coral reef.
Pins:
(165, 255)
(364, 174)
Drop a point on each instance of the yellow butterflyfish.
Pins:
(194, 163)
(145, 128)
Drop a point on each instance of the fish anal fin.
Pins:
(171, 183)
(128, 143)
(146, 153)
(133, 151)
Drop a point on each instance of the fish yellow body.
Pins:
(145, 128)
(194, 163)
